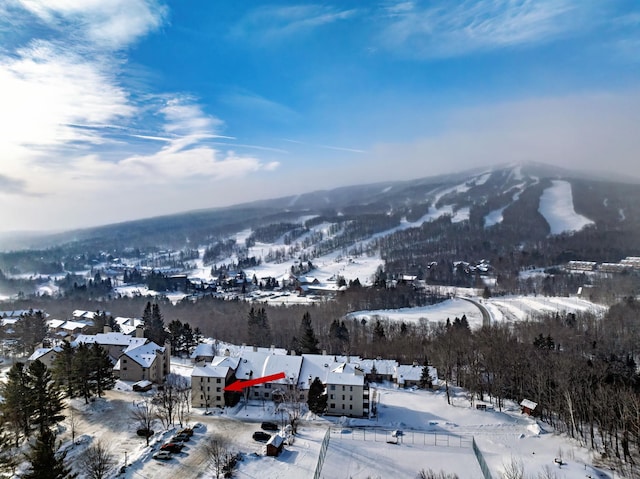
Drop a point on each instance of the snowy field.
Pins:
(435, 436)
(503, 309)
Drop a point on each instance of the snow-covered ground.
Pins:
(556, 205)
(435, 436)
(501, 309)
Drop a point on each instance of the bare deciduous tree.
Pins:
(97, 461)
(144, 414)
(218, 454)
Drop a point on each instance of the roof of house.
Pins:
(276, 440)
(40, 352)
(209, 371)
(383, 366)
(529, 404)
(226, 361)
(319, 366)
(73, 325)
(408, 372)
(110, 339)
(55, 323)
(144, 355)
(204, 349)
(346, 374)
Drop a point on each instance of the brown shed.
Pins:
(275, 445)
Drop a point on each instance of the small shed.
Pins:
(142, 386)
(275, 445)
(529, 407)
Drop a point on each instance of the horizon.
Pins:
(130, 109)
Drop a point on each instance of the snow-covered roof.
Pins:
(289, 365)
(79, 313)
(209, 371)
(110, 339)
(55, 323)
(144, 355)
(38, 353)
(346, 374)
(204, 349)
(529, 404)
(319, 366)
(226, 361)
(383, 366)
(73, 325)
(408, 372)
(276, 440)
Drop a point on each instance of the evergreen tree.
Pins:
(258, 328)
(63, 369)
(317, 399)
(154, 325)
(83, 372)
(16, 408)
(308, 343)
(426, 381)
(45, 397)
(101, 369)
(46, 462)
(31, 329)
(378, 331)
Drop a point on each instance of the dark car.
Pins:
(261, 436)
(269, 426)
(187, 430)
(172, 447)
(180, 438)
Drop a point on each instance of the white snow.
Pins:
(556, 205)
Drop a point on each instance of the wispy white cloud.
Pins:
(279, 22)
(257, 104)
(112, 24)
(456, 28)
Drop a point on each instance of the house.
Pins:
(142, 386)
(143, 362)
(529, 407)
(275, 445)
(45, 355)
(135, 358)
(347, 392)
(378, 370)
(204, 352)
(318, 366)
(208, 383)
(407, 376)
(259, 363)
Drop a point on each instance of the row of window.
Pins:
(333, 406)
(332, 387)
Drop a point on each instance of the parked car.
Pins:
(261, 436)
(187, 430)
(180, 438)
(144, 432)
(174, 447)
(269, 426)
(162, 455)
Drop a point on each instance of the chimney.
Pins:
(227, 352)
(324, 352)
(106, 329)
(293, 352)
(273, 347)
(139, 332)
(255, 349)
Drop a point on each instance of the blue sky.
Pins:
(121, 109)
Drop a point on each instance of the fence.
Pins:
(323, 452)
(483, 465)
(406, 437)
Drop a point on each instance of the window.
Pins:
(217, 398)
(350, 398)
(331, 396)
(256, 394)
(218, 389)
(332, 387)
(208, 379)
(266, 395)
(350, 406)
(201, 380)
(343, 406)
(350, 388)
(332, 405)
(218, 380)
(267, 386)
(207, 388)
(343, 388)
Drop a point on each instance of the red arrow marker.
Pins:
(240, 385)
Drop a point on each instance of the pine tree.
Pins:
(16, 409)
(308, 343)
(317, 399)
(63, 369)
(82, 372)
(101, 369)
(46, 462)
(426, 381)
(45, 397)
(154, 325)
